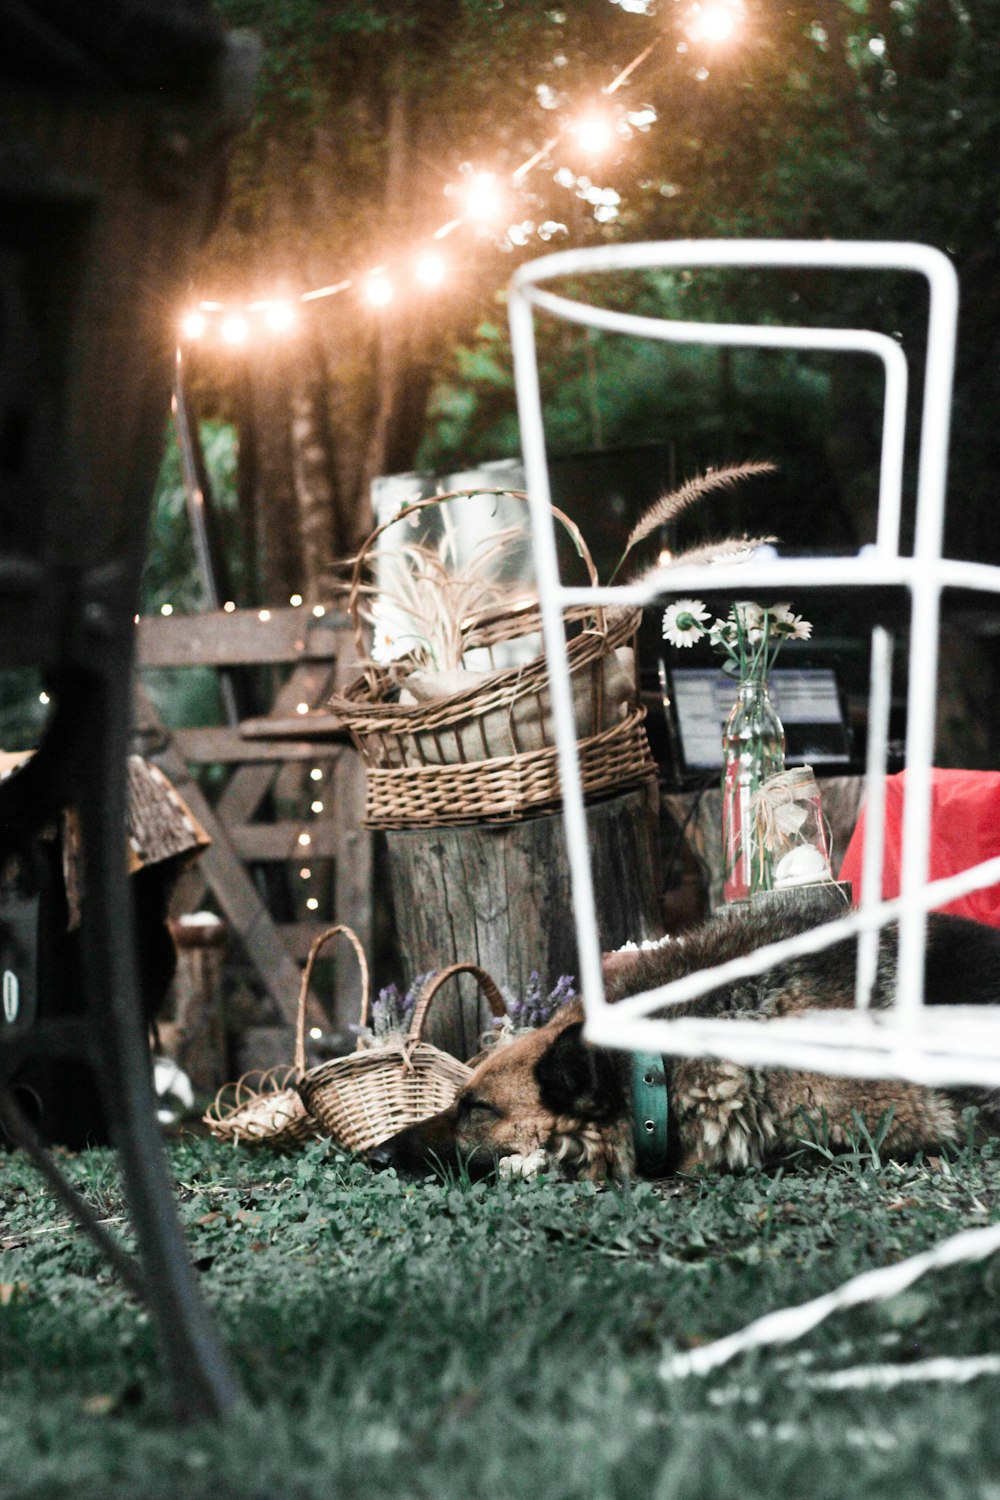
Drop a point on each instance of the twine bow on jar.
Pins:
(786, 812)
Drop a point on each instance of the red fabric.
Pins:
(965, 829)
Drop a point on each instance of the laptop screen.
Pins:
(807, 701)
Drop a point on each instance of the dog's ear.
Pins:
(576, 1079)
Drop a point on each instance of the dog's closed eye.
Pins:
(469, 1104)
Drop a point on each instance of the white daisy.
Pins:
(751, 620)
(797, 629)
(683, 622)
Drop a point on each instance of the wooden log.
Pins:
(498, 895)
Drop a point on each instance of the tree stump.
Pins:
(498, 895)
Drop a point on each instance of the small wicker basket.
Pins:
(438, 761)
(266, 1108)
(364, 1099)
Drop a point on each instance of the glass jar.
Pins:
(753, 749)
(792, 815)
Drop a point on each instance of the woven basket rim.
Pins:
(367, 1097)
(223, 1116)
(363, 709)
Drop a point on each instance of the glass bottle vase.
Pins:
(753, 749)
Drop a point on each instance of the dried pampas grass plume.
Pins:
(727, 549)
(670, 506)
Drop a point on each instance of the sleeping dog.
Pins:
(549, 1100)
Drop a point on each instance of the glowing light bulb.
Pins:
(378, 290)
(315, 1033)
(594, 134)
(43, 698)
(301, 708)
(280, 317)
(715, 23)
(305, 872)
(194, 324)
(263, 614)
(430, 269)
(295, 600)
(316, 807)
(229, 606)
(305, 840)
(166, 609)
(482, 199)
(315, 774)
(319, 610)
(312, 904)
(235, 329)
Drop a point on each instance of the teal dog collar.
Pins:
(650, 1113)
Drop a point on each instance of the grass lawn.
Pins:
(460, 1341)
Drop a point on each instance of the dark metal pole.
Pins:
(198, 496)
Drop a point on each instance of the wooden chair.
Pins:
(112, 128)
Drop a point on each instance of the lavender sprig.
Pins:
(393, 1011)
(533, 1010)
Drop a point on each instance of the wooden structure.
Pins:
(260, 823)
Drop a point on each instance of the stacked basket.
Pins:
(486, 753)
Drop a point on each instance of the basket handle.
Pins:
(486, 984)
(575, 534)
(318, 943)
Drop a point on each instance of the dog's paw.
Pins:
(517, 1165)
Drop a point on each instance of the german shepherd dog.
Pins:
(548, 1100)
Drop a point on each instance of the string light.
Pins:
(234, 329)
(378, 290)
(316, 807)
(430, 269)
(481, 197)
(280, 317)
(594, 134)
(194, 324)
(712, 23)
(315, 774)
(295, 600)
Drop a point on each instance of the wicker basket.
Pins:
(436, 761)
(266, 1108)
(364, 1099)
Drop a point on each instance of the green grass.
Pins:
(459, 1341)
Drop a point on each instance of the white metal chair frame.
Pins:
(906, 1041)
